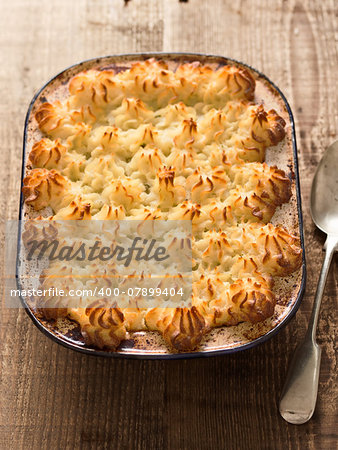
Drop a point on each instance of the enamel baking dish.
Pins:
(288, 291)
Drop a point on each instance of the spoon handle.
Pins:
(299, 395)
(330, 246)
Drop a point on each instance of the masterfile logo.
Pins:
(125, 263)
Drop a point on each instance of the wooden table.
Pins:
(53, 398)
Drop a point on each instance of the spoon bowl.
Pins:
(324, 192)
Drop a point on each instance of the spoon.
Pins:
(299, 395)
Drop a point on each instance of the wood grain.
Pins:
(53, 398)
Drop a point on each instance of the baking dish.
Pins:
(288, 291)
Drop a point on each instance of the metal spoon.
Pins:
(299, 395)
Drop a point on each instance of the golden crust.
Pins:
(271, 249)
(42, 188)
(74, 211)
(101, 327)
(182, 328)
(47, 153)
(151, 143)
(267, 127)
(249, 299)
(152, 81)
(57, 119)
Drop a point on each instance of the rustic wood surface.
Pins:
(53, 398)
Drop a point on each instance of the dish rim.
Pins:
(165, 356)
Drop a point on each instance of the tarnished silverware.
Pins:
(299, 395)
